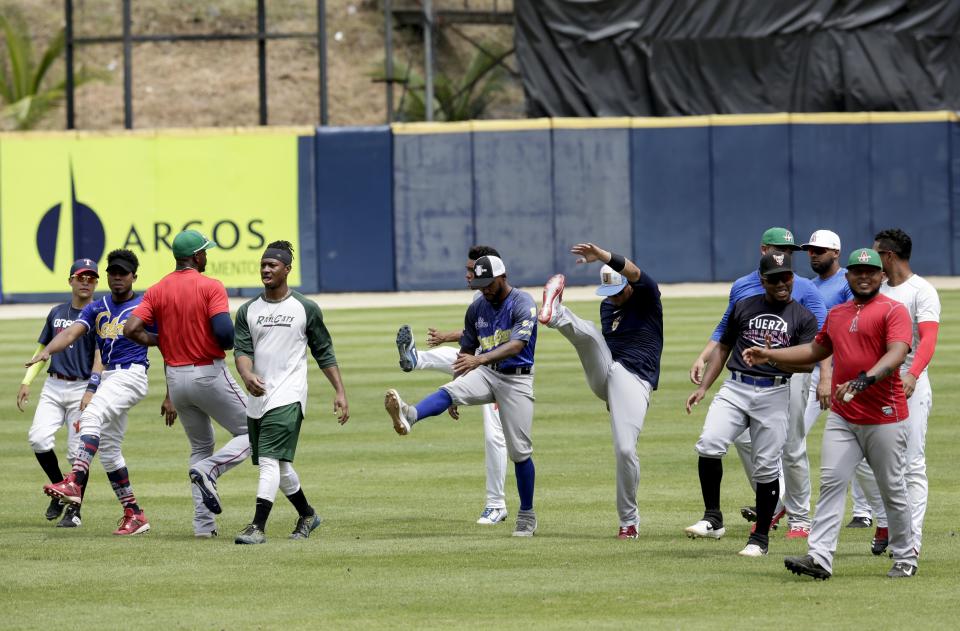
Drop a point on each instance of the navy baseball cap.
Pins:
(84, 266)
(611, 282)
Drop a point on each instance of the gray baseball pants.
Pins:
(441, 359)
(200, 393)
(514, 395)
(760, 411)
(627, 397)
(844, 446)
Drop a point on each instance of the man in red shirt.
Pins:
(192, 315)
(869, 338)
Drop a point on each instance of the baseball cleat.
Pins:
(753, 550)
(206, 534)
(71, 518)
(526, 524)
(132, 523)
(208, 490)
(407, 348)
(749, 513)
(860, 522)
(552, 297)
(251, 535)
(704, 529)
(395, 408)
(492, 515)
(305, 525)
(67, 490)
(774, 522)
(54, 509)
(902, 570)
(880, 541)
(806, 565)
(798, 532)
(628, 532)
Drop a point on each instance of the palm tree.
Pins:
(22, 87)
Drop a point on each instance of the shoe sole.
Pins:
(391, 401)
(69, 499)
(405, 348)
(751, 555)
(793, 536)
(68, 524)
(695, 534)
(553, 289)
(801, 570)
(209, 498)
(243, 542)
(749, 514)
(313, 526)
(858, 524)
(523, 534)
(145, 528)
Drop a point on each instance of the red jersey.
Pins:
(181, 305)
(858, 336)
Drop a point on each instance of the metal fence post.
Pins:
(127, 68)
(262, 58)
(388, 61)
(428, 57)
(322, 54)
(68, 58)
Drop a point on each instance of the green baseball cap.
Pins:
(780, 237)
(864, 256)
(189, 242)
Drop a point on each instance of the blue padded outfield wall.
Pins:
(396, 208)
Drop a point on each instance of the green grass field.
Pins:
(399, 547)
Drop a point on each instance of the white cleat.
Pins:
(704, 529)
(753, 550)
(395, 408)
(492, 515)
(552, 298)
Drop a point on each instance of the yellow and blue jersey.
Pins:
(486, 327)
(106, 318)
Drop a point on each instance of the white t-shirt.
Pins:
(922, 303)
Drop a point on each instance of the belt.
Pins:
(515, 370)
(65, 377)
(126, 366)
(760, 382)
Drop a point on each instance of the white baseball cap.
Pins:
(611, 282)
(823, 239)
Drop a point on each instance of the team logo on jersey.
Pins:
(88, 235)
(765, 325)
(481, 323)
(109, 328)
(887, 410)
(270, 321)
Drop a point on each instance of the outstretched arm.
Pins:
(64, 339)
(590, 252)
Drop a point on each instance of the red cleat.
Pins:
(627, 532)
(67, 490)
(773, 522)
(798, 532)
(132, 523)
(552, 296)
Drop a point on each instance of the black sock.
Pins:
(299, 501)
(50, 465)
(711, 474)
(768, 493)
(262, 513)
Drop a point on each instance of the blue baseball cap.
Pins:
(611, 282)
(84, 266)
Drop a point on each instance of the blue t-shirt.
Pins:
(486, 327)
(835, 290)
(804, 292)
(106, 319)
(634, 331)
(77, 359)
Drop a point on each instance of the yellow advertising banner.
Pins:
(70, 196)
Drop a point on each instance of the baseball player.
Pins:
(442, 358)
(273, 333)
(72, 378)
(923, 306)
(103, 422)
(193, 317)
(794, 503)
(622, 365)
(869, 338)
(503, 326)
(754, 399)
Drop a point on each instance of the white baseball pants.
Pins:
(58, 405)
(106, 415)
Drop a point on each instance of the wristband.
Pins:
(617, 262)
(94, 382)
(862, 382)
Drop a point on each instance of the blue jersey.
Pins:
(77, 359)
(486, 327)
(106, 319)
(835, 290)
(804, 292)
(634, 330)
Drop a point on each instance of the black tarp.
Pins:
(688, 57)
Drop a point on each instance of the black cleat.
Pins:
(749, 513)
(54, 509)
(71, 518)
(880, 541)
(407, 348)
(860, 522)
(305, 525)
(208, 490)
(806, 565)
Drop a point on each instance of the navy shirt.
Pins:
(634, 330)
(486, 327)
(106, 319)
(77, 359)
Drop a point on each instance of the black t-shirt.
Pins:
(753, 318)
(634, 331)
